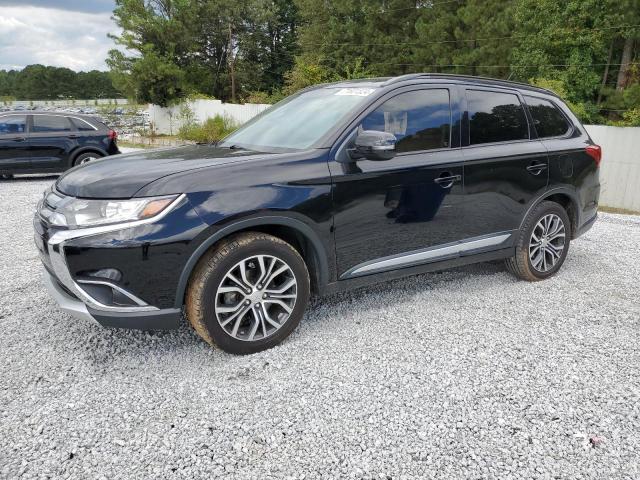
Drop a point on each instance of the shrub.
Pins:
(305, 74)
(199, 96)
(630, 118)
(264, 97)
(212, 130)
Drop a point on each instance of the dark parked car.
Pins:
(33, 142)
(336, 187)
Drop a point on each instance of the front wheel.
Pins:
(248, 293)
(543, 243)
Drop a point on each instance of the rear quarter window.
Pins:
(548, 120)
(495, 117)
(82, 125)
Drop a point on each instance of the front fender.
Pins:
(320, 250)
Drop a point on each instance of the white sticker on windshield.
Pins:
(355, 92)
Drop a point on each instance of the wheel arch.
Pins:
(565, 198)
(295, 232)
(87, 149)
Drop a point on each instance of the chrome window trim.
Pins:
(83, 120)
(506, 142)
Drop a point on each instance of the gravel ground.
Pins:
(462, 374)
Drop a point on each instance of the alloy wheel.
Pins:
(87, 160)
(547, 243)
(256, 297)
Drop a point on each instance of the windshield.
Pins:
(299, 122)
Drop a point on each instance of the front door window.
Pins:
(420, 120)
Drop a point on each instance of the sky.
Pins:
(62, 33)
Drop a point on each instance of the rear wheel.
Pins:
(543, 243)
(248, 294)
(86, 158)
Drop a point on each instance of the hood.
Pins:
(121, 176)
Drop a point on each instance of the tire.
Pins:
(547, 258)
(85, 158)
(212, 297)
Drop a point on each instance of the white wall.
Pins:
(620, 167)
(167, 120)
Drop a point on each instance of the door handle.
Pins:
(446, 180)
(19, 139)
(73, 136)
(536, 168)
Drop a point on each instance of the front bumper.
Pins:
(166, 319)
(66, 302)
(74, 295)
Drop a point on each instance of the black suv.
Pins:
(338, 186)
(51, 142)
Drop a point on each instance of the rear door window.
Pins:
(420, 120)
(548, 120)
(50, 124)
(13, 124)
(495, 117)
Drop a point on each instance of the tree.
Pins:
(7, 83)
(152, 78)
(260, 48)
(223, 47)
(160, 32)
(459, 37)
(304, 75)
(627, 54)
(381, 35)
(281, 43)
(39, 82)
(575, 43)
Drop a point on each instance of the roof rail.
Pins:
(451, 76)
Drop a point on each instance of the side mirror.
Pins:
(374, 145)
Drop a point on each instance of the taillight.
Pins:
(113, 135)
(595, 152)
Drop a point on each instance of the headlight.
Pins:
(78, 213)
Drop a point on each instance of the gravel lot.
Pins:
(462, 374)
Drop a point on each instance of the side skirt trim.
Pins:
(431, 254)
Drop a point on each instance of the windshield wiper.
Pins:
(234, 146)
